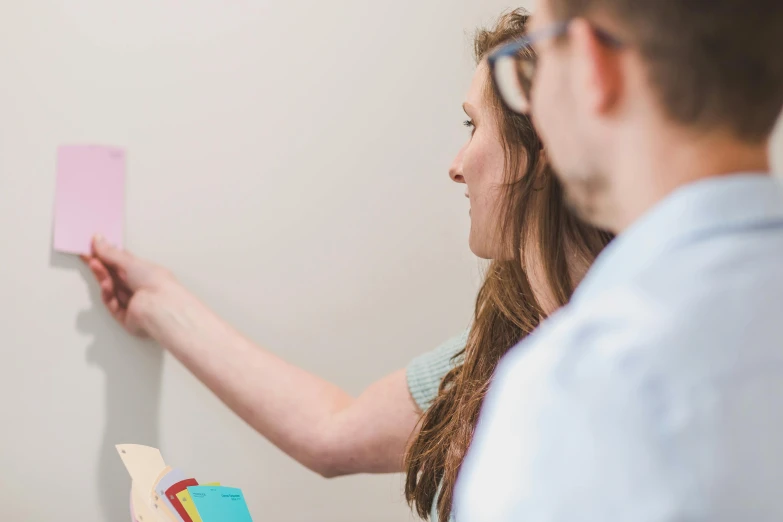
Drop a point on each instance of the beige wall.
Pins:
(289, 161)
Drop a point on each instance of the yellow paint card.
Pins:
(187, 503)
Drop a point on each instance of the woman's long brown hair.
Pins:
(533, 207)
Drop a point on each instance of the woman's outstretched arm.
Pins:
(310, 419)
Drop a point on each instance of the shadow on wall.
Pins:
(133, 374)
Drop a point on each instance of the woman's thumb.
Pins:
(109, 254)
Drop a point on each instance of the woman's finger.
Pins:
(107, 284)
(113, 305)
(98, 270)
(109, 255)
(107, 295)
(121, 316)
(117, 282)
(118, 312)
(123, 296)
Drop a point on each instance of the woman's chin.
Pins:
(479, 249)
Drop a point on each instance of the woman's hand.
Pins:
(129, 285)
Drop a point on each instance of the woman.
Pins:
(518, 218)
(540, 252)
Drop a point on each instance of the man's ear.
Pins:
(597, 78)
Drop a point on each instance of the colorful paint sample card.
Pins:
(187, 503)
(171, 494)
(156, 501)
(165, 483)
(144, 464)
(90, 197)
(220, 504)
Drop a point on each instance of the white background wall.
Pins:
(288, 160)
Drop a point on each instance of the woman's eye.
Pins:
(469, 124)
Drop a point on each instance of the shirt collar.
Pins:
(702, 207)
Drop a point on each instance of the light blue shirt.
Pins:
(657, 394)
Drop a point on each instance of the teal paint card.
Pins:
(220, 504)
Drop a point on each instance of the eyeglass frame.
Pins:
(555, 30)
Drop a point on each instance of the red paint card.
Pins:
(171, 494)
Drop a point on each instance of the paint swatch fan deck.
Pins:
(160, 493)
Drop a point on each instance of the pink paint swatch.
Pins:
(90, 197)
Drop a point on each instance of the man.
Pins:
(657, 394)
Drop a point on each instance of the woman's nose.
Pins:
(455, 171)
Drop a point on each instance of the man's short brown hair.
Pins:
(715, 63)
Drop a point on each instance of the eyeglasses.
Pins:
(513, 66)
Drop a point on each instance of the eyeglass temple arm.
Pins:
(552, 31)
